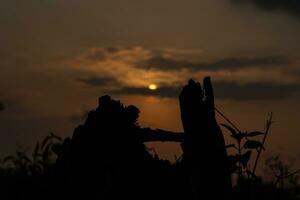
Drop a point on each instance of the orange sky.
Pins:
(58, 57)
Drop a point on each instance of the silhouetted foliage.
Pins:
(106, 158)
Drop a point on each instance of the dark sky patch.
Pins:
(167, 64)
(98, 81)
(112, 49)
(13, 106)
(96, 55)
(223, 90)
(254, 91)
(79, 117)
(291, 7)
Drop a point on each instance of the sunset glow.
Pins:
(152, 87)
(52, 73)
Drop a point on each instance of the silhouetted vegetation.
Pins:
(106, 158)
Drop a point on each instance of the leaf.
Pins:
(25, 158)
(254, 133)
(47, 152)
(232, 163)
(232, 131)
(18, 163)
(39, 155)
(8, 158)
(35, 169)
(48, 147)
(46, 155)
(44, 142)
(251, 173)
(36, 150)
(40, 162)
(232, 159)
(244, 159)
(252, 144)
(230, 146)
(56, 148)
(55, 136)
(20, 154)
(238, 136)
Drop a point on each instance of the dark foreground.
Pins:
(106, 158)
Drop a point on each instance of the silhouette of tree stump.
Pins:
(204, 152)
(106, 156)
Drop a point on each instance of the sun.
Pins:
(152, 87)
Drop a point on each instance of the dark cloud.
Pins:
(112, 50)
(291, 7)
(254, 91)
(162, 63)
(98, 81)
(13, 106)
(96, 55)
(224, 90)
(101, 54)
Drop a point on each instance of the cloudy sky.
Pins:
(57, 57)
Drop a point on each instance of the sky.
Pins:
(57, 58)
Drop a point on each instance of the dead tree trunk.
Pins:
(204, 152)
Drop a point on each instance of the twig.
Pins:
(228, 120)
(269, 122)
(291, 174)
(286, 176)
(151, 135)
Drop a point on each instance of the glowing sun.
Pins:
(152, 87)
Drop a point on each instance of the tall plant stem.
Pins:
(228, 120)
(240, 164)
(269, 122)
